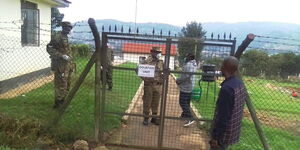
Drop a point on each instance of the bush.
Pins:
(81, 50)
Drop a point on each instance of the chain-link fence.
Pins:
(27, 95)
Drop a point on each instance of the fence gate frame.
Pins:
(99, 57)
(168, 40)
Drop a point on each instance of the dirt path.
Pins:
(175, 135)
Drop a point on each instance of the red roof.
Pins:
(144, 48)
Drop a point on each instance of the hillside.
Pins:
(238, 30)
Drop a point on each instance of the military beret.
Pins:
(66, 24)
(156, 48)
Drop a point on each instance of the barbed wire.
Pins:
(35, 33)
(83, 39)
(278, 38)
(19, 29)
(78, 23)
(20, 21)
(5, 50)
(81, 32)
(280, 43)
(260, 48)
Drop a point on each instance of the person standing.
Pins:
(109, 71)
(228, 114)
(61, 63)
(153, 87)
(186, 83)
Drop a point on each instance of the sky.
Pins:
(179, 12)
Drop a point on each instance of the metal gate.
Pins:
(129, 50)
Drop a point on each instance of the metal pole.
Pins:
(135, 15)
(166, 72)
(104, 68)
(95, 32)
(196, 46)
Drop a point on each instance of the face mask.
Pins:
(186, 59)
(158, 55)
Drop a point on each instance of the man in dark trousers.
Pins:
(186, 83)
(228, 116)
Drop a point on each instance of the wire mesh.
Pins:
(27, 86)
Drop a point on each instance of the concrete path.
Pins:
(174, 136)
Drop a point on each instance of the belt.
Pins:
(152, 83)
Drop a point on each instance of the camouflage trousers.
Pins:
(151, 99)
(62, 81)
(109, 74)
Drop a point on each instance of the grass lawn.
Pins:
(33, 110)
(277, 111)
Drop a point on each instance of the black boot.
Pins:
(60, 103)
(146, 122)
(109, 88)
(56, 104)
(155, 120)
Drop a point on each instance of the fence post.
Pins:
(249, 104)
(166, 73)
(103, 79)
(95, 32)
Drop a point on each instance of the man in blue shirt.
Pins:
(227, 121)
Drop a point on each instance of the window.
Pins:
(30, 27)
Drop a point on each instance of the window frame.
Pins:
(30, 7)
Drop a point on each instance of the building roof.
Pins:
(61, 3)
(144, 48)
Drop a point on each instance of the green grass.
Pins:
(78, 120)
(7, 148)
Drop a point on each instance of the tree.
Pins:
(297, 64)
(254, 62)
(191, 40)
(288, 64)
(283, 65)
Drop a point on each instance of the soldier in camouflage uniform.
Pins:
(61, 63)
(153, 86)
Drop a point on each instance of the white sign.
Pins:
(146, 71)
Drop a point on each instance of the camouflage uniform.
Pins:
(61, 64)
(152, 89)
(109, 72)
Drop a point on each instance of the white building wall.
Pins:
(15, 59)
(135, 58)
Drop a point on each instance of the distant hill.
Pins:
(238, 30)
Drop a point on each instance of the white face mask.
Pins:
(158, 55)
